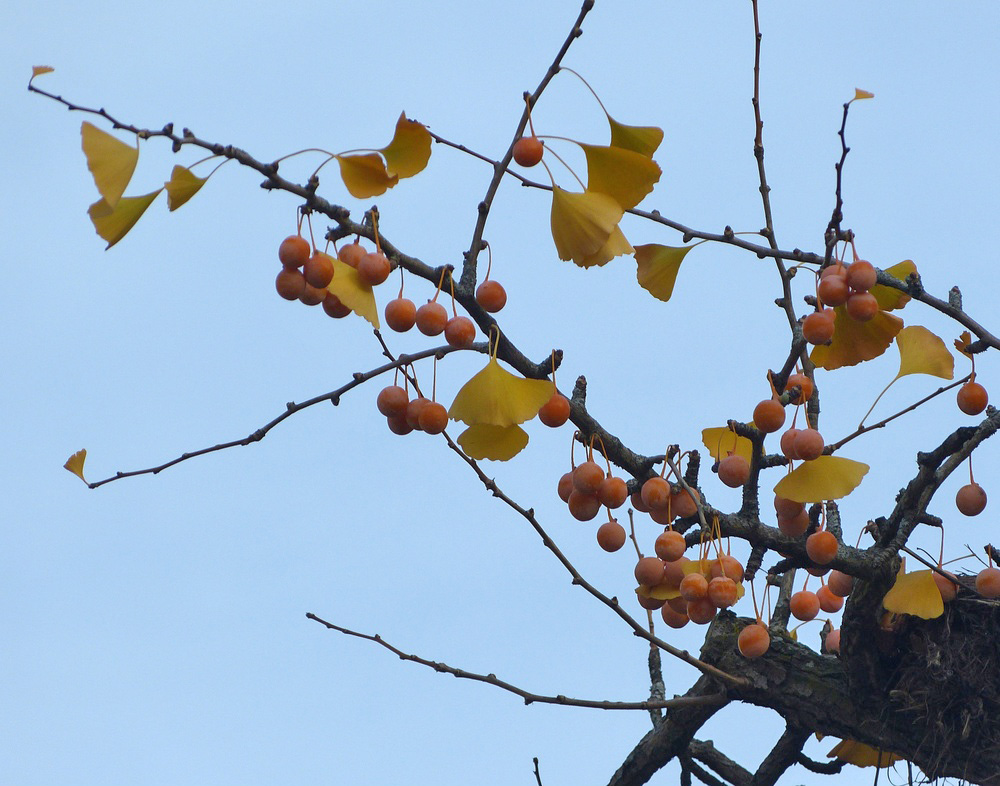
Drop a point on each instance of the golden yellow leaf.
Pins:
(75, 463)
(496, 443)
(916, 594)
(582, 223)
(854, 342)
(616, 245)
(862, 755)
(860, 94)
(365, 175)
(921, 352)
(496, 397)
(353, 292)
(183, 185)
(660, 592)
(658, 267)
(827, 477)
(109, 160)
(890, 298)
(641, 139)
(410, 148)
(624, 175)
(721, 441)
(39, 70)
(962, 343)
(113, 224)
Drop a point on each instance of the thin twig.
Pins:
(529, 697)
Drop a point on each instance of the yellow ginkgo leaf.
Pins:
(890, 298)
(921, 352)
(582, 223)
(39, 70)
(113, 224)
(720, 442)
(352, 291)
(410, 148)
(827, 477)
(616, 245)
(659, 592)
(624, 175)
(641, 139)
(496, 397)
(702, 566)
(860, 94)
(75, 463)
(496, 443)
(109, 160)
(183, 185)
(962, 343)
(658, 266)
(915, 593)
(861, 755)
(854, 342)
(365, 175)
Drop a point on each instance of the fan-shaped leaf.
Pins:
(641, 139)
(39, 70)
(916, 594)
(183, 185)
(496, 397)
(962, 343)
(109, 160)
(658, 267)
(75, 463)
(854, 342)
(582, 224)
(860, 94)
(624, 175)
(365, 175)
(828, 477)
(720, 442)
(410, 148)
(497, 443)
(921, 352)
(861, 755)
(616, 245)
(113, 223)
(353, 292)
(890, 298)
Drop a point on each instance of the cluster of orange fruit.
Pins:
(841, 285)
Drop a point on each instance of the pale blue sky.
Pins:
(154, 629)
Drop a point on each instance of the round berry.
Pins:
(734, 470)
(694, 586)
(804, 605)
(988, 582)
(701, 612)
(374, 268)
(333, 307)
(670, 546)
(433, 418)
(972, 398)
(840, 583)
(583, 507)
(769, 415)
(612, 492)
(555, 411)
(528, 150)
(808, 444)
(947, 587)
(722, 592)
(833, 290)
(656, 492)
(431, 318)
(754, 640)
(829, 600)
(861, 306)
(290, 283)
(413, 410)
(460, 332)
(491, 296)
(672, 618)
(312, 296)
(392, 401)
(821, 547)
(611, 535)
(565, 486)
(803, 383)
(794, 526)
(817, 327)
(400, 314)
(971, 499)
(294, 251)
(587, 477)
(352, 254)
(318, 270)
(649, 571)
(683, 504)
(861, 276)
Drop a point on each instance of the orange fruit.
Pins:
(649, 571)
(431, 318)
(821, 547)
(528, 150)
(318, 270)
(734, 470)
(392, 401)
(971, 499)
(670, 546)
(972, 398)
(491, 296)
(555, 411)
(294, 251)
(612, 492)
(374, 268)
(611, 535)
(351, 254)
(769, 415)
(861, 276)
(290, 283)
(433, 418)
(400, 314)
(460, 332)
(333, 307)
(754, 640)
(804, 605)
(861, 306)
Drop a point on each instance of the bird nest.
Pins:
(945, 675)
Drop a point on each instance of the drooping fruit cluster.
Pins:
(404, 414)
(848, 285)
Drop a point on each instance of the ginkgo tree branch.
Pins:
(528, 696)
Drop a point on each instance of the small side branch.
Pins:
(528, 696)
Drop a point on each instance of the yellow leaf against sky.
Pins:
(615, 246)
(854, 342)
(183, 185)
(113, 224)
(861, 755)
(352, 291)
(824, 478)
(658, 267)
(641, 139)
(624, 175)
(860, 94)
(890, 298)
(410, 148)
(496, 397)
(915, 593)
(582, 223)
(365, 175)
(720, 441)
(75, 463)
(921, 352)
(109, 160)
(962, 342)
(496, 443)
(39, 70)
